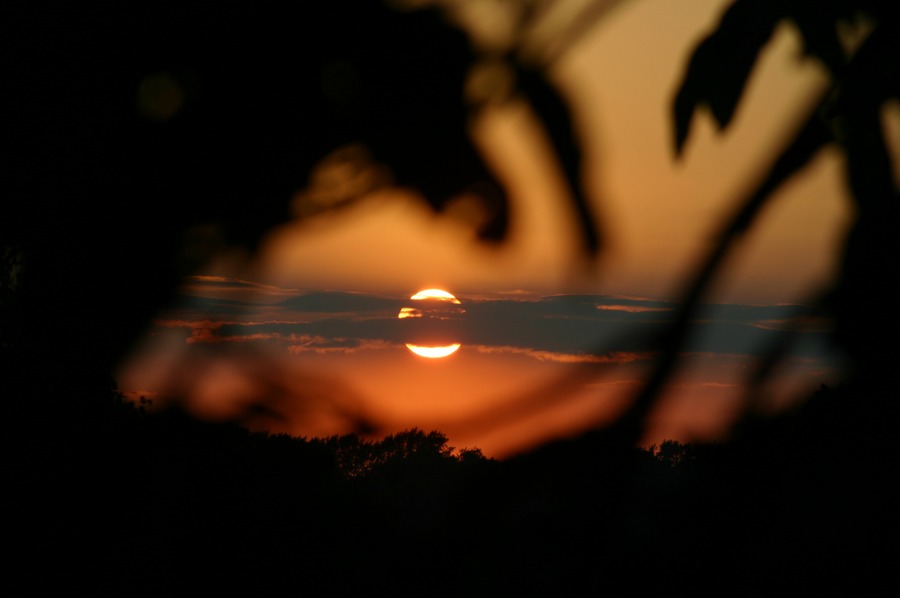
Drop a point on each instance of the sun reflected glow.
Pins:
(433, 352)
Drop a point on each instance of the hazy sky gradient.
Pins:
(307, 327)
(238, 349)
(658, 214)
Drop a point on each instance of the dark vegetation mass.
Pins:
(140, 138)
(121, 501)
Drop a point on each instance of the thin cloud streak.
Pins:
(204, 335)
(322, 346)
(615, 358)
(633, 309)
(210, 285)
(797, 324)
(560, 328)
(217, 324)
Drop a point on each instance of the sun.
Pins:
(433, 316)
(435, 294)
(434, 352)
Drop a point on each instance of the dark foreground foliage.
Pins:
(122, 502)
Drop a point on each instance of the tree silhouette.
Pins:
(358, 457)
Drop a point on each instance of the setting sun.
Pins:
(438, 294)
(435, 312)
(433, 352)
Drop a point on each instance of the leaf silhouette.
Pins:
(556, 118)
(820, 36)
(848, 115)
(721, 64)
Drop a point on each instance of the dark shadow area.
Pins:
(141, 138)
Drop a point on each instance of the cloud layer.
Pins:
(563, 328)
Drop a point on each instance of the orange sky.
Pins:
(659, 215)
(530, 367)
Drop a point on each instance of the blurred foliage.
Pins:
(855, 41)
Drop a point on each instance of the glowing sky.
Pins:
(308, 326)
(525, 367)
(658, 213)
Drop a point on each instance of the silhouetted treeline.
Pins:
(135, 503)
